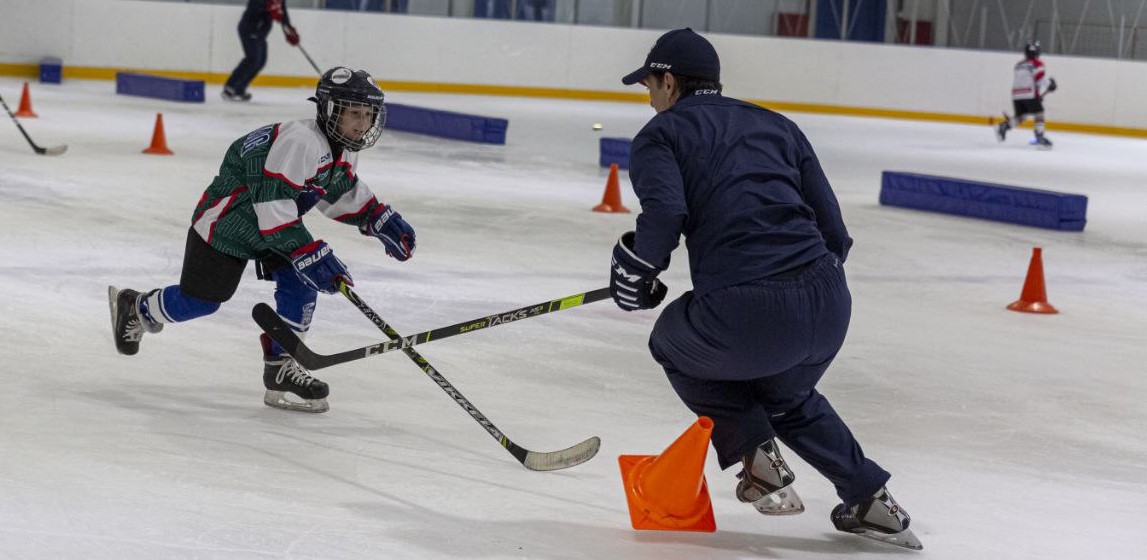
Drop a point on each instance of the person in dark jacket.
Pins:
(254, 27)
(770, 306)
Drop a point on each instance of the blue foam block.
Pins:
(51, 70)
(1002, 203)
(614, 150)
(159, 87)
(446, 124)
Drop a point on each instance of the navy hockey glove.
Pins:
(389, 227)
(1051, 85)
(319, 268)
(633, 282)
(308, 198)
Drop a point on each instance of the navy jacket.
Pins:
(257, 19)
(741, 183)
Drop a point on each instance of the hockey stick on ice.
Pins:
(533, 460)
(49, 151)
(274, 326)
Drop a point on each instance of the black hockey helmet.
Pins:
(1032, 50)
(340, 88)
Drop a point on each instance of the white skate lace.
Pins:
(133, 331)
(299, 376)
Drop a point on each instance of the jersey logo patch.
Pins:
(257, 138)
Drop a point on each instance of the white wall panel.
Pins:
(202, 38)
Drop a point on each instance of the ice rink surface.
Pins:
(1008, 435)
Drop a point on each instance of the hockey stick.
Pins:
(533, 460)
(49, 151)
(280, 332)
(313, 65)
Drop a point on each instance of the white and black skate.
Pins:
(128, 325)
(282, 375)
(766, 482)
(880, 518)
(1041, 141)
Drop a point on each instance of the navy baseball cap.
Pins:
(682, 52)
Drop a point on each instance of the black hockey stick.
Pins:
(309, 59)
(280, 332)
(49, 151)
(533, 460)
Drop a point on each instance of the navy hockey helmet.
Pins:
(341, 88)
(1032, 50)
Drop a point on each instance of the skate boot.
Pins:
(282, 375)
(1040, 141)
(232, 95)
(879, 518)
(1003, 128)
(128, 325)
(766, 482)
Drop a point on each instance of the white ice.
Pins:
(1008, 435)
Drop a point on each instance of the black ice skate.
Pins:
(128, 325)
(766, 482)
(232, 95)
(282, 375)
(1003, 128)
(1041, 141)
(879, 518)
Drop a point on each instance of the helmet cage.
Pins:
(341, 89)
(331, 114)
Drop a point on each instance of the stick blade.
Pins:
(564, 459)
(53, 150)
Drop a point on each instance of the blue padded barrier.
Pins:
(446, 124)
(1002, 203)
(614, 150)
(51, 70)
(159, 87)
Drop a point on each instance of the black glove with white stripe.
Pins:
(633, 282)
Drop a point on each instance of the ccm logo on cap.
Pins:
(660, 65)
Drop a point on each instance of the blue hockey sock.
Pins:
(294, 302)
(171, 305)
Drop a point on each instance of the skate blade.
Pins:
(280, 400)
(903, 539)
(782, 502)
(113, 296)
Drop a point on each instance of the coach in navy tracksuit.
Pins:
(769, 308)
(254, 26)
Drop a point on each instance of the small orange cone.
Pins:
(158, 139)
(611, 199)
(25, 109)
(1033, 298)
(668, 492)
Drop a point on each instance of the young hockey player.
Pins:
(1029, 85)
(770, 306)
(253, 211)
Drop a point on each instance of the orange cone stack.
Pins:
(158, 139)
(668, 492)
(25, 109)
(611, 199)
(1033, 298)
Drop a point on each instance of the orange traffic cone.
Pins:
(668, 492)
(1033, 298)
(158, 139)
(25, 109)
(611, 199)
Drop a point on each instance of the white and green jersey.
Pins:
(249, 211)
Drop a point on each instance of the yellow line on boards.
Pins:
(92, 73)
